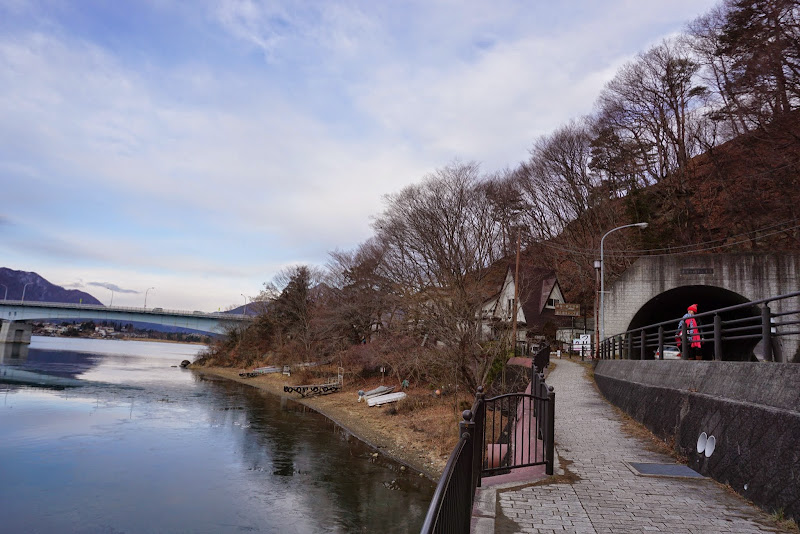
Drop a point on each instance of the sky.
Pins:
(186, 151)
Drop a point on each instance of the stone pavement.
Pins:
(596, 492)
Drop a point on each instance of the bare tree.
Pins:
(569, 210)
(650, 108)
(438, 238)
(557, 181)
(363, 301)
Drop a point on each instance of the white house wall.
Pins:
(507, 295)
(556, 295)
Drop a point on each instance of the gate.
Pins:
(517, 429)
(505, 432)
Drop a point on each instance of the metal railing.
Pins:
(732, 326)
(517, 428)
(517, 440)
(450, 511)
(101, 307)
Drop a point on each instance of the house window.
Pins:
(551, 303)
(510, 307)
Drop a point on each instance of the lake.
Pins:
(141, 445)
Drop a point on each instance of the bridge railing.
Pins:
(746, 323)
(100, 307)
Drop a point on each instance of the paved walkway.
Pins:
(598, 492)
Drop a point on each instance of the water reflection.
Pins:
(323, 467)
(156, 448)
(13, 353)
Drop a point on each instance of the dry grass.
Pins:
(783, 522)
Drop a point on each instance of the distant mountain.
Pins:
(39, 289)
(253, 309)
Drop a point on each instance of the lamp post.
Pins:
(597, 265)
(23, 290)
(6, 295)
(245, 304)
(145, 296)
(602, 275)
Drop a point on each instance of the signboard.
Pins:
(705, 270)
(582, 343)
(570, 310)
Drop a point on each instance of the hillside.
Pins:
(741, 196)
(39, 289)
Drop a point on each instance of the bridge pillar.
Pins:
(15, 332)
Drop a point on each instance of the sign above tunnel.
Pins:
(570, 310)
(706, 270)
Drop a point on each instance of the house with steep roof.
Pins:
(538, 292)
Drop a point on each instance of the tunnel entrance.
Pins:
(672, 304)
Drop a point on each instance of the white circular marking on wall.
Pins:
(711, 444)
(701, 442)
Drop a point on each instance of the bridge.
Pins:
(15, 315)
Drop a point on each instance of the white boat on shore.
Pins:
(386, 399)
(380, 390)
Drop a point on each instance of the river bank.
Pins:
(419, 433)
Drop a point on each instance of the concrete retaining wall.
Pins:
(751, 408)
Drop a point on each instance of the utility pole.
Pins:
(513, 312)
(516, 296)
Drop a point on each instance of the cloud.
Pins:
(188, 165)
(285, 31)
(113, 287)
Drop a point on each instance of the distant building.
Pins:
(104, 331)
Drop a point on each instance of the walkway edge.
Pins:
(484, 510)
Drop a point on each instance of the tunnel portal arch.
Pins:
(673, 303)
(703, 279)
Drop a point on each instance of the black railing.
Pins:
(517, 429)
(496, 436)
(450, 510)
(732, 329)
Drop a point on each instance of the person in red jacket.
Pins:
(692, 333)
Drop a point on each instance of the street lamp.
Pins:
(245, 304)
(145, 296)
(602, 275)
(23, 290)
(597, 265)
(5, 286)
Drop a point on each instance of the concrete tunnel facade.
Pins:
(659, 288)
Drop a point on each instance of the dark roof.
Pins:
(534, 287)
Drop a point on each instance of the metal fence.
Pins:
(732, 332)
(450, 510)
(499, 434)
(517, 428)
